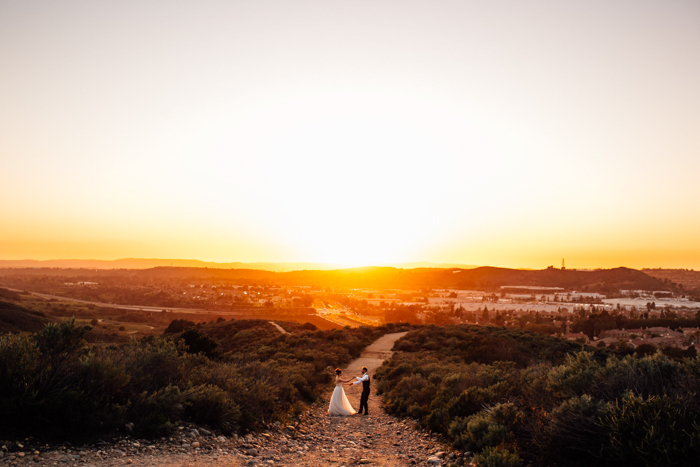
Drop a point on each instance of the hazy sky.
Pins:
(481, 132)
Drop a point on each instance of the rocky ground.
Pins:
(317, 440)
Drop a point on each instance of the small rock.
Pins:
(20, 445)
(194, 432)
(252, 452)
(195, 444)
(36, 453)
(129, 461)
(363, 461)
(440, 454)
(221, 439)
(20, 454)
(433, 460)
(205, 432)
(129, 427)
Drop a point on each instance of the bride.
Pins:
(340, 405)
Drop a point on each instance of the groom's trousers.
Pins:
(363, 400)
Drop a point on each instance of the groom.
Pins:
(364, 379)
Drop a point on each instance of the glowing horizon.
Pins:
(507, 133)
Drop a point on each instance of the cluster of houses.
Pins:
(657, 336)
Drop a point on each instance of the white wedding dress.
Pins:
(340, 405)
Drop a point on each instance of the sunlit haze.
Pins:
(510, 134)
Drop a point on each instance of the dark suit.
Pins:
(365, 395)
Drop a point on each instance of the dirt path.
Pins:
(373, 357)
(377, 439)
(279, 328)
(318, 440)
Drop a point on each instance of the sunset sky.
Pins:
(509, 134)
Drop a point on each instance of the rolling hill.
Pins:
(482, 278)
(14, 318)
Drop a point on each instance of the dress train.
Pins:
(340, 405)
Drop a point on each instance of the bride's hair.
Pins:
(338, 371)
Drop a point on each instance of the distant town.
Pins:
(145, 301)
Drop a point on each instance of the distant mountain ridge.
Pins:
(148, 263)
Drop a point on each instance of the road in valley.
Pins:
(156, 309)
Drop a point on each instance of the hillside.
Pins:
(687, 279)
(482, 278)
(14, 318)
(597, 280)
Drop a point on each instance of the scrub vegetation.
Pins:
(518, 398)
(234, 376)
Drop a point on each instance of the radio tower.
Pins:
(562, 264)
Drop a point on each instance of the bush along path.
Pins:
(318, 439)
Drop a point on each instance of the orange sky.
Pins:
(497, 133)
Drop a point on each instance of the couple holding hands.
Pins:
(340, 405)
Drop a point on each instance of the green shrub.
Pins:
(659, 430)
(177, 326)
(573, 434)
(491, 427)
(577, 376)
(414, 389)
(648, 376)
(210, 405)
(495, 457)
(151, 366)
(156, 414)
(197, 342)
(19, 370)
(643, 350)
(60, 341)
(40, 383)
